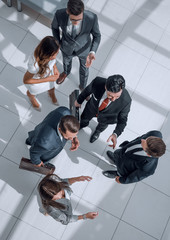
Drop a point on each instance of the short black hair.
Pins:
(115, 83)
(69, 123)
(75, 7)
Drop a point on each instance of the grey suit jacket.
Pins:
(44, 139)
(82, 41)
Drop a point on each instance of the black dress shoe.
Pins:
(110, 174)
(111, 157)
(94, 136)
(27, 142)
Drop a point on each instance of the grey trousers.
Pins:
(83, 70)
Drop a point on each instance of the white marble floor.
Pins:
(135, 43)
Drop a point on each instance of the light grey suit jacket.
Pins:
(83, 40)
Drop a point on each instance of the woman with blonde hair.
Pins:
(55, 198)
(42, 71)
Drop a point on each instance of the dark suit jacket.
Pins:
(44, 139)
(133, 167)
(82, 41)
(116, 112)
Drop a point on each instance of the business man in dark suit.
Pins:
(77, 31)
(110, 103)
(137, 159)
(50, 136)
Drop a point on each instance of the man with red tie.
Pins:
(110, 102)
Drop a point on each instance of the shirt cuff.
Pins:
(92, 52)
(115, 134)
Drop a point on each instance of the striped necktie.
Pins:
(104, 104)
(73, 33)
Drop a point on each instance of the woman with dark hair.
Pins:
(55, 198)
(42, 71)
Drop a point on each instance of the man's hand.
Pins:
(74, 144)
(90, 59)
(117, 179)
(77, 104)
(112, 138)
(41, 164)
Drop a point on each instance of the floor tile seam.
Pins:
(9, 21)
(150, 21)
(157, 45)
(17, 48)
(35, 173)
(147, 184)
(129, 18)
(132, 49)
(15, 9)
(115, 41)
(130, 197)
(116, 3)
(41, 230)
(86, 151)
(73, 214)
(9, 159)
(115, 229)
(165, 228)
(152, 101)
(165, 122)
(81, 197)
(139, 229)
(11, 138)
(124, 7)
(98, 207)
(155, 61)
(28, 199)
(10, 214)
(6, 63)
(134, 91)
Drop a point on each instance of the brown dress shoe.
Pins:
(61, 78)
(51, 94)
(33, 101)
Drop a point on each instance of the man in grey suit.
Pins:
(77, 31)
(137, 159)
(50, 136)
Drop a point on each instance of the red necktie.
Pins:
(104, 104)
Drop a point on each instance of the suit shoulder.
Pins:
(99, 82)
(154, 133)
(127, 96)
(60, 12)
(63, 110)
(90, 15)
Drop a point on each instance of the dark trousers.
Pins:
(87, 115)
(83, 70)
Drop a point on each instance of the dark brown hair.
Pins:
(155, 146)
(69, 123)
(50, 186)
(45, 49)
(75, 7)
